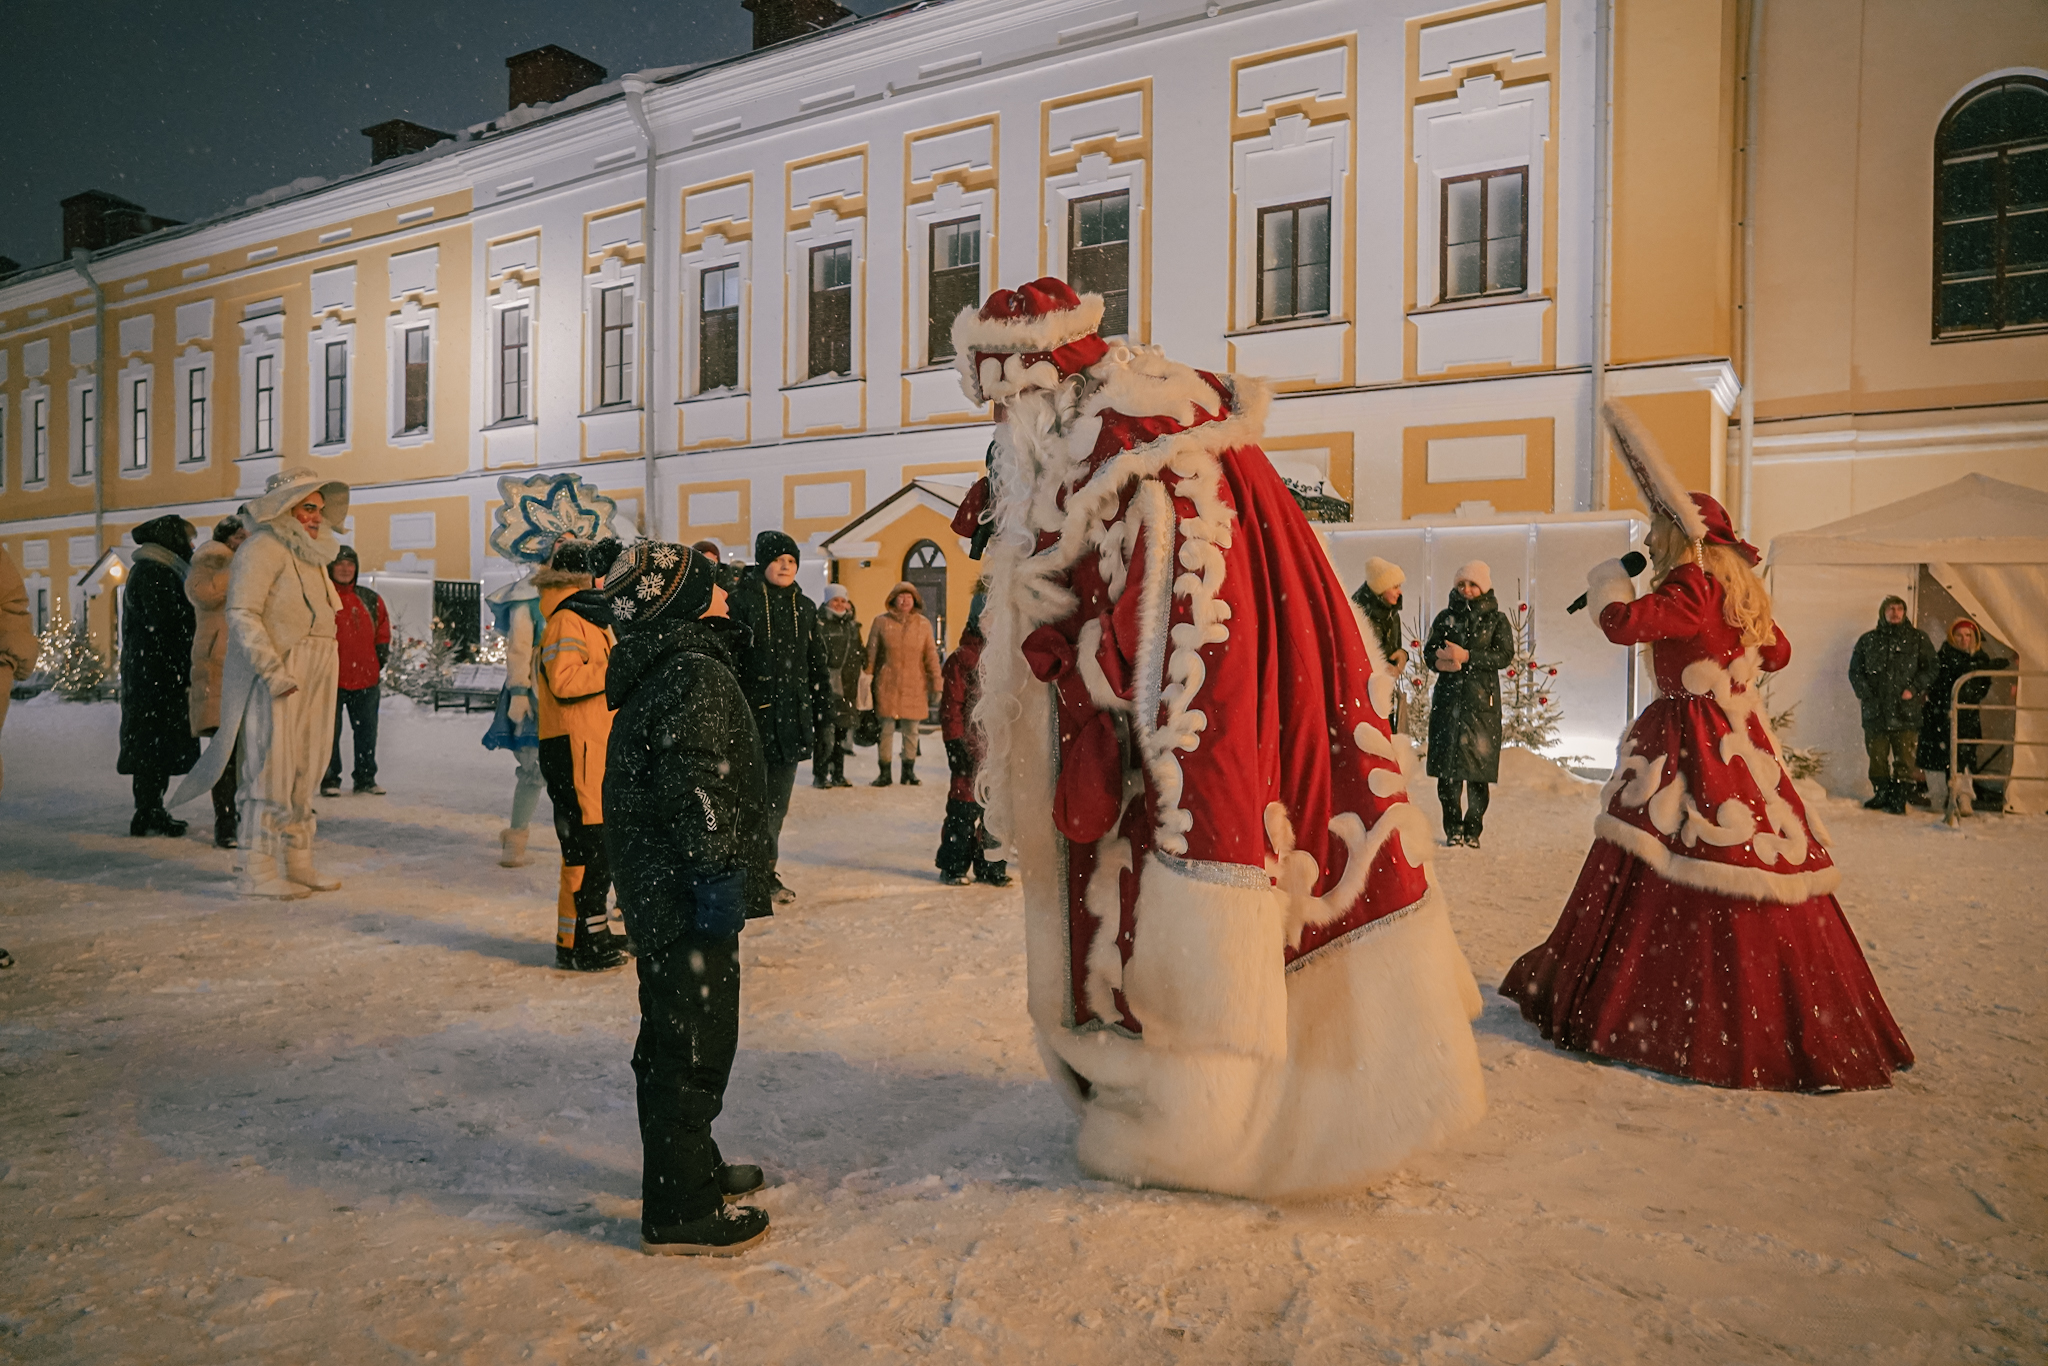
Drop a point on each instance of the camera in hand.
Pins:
(1632, 564)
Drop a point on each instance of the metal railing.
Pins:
(1958, 804)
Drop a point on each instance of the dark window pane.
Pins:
(415, 379)
(2026, 179)
(1503, 265)
(2026, 300)
(1967, 248)
(1966, 307)
(1461, 212)
(1461, 271)
(1969, 189)
(1315, 289)
(831, 310)
(1278, 241)
(1312, 235)
(2026, 241)
(1504, 206)
(1099, 256)
(2006, 113)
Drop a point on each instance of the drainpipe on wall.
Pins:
(1603, 195)
(1750, 101)
(635, 89)
(81, 261)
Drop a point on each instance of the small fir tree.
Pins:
(1529, 713)
(75, 670)
(1801, 761)
(417, 667)
(1416, 682)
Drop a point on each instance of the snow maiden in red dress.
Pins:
(1703, 938)
(1239, 969)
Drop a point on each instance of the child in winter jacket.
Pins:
(575, 725)
(962, 841)
(684, 800)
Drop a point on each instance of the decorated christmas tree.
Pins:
(1416, 681)
(1529, 712)
(417, 667)
(68, 660)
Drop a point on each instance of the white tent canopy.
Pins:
(1983, 540)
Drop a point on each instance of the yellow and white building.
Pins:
(1444, 234)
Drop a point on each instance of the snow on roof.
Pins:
(1974, 520)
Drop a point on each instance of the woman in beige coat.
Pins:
(206, 585)
(904, 659)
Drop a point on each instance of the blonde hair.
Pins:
(1747, 604)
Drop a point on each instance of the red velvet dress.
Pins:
(1703, 938)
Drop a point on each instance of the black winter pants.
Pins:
(149, 789)
(778, 780)
(359, 705)
(960, 842)
(1476, 797)
(689, 1032)
(586, 873)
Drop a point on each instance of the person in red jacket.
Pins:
(363, 631)
(962, 841)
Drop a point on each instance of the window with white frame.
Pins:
(830, 329)
(193, 428)
(415, 350)
(38, 441)
(85, 431)
(515, 363)
(39, 599)
(1294, 261)
(334, 394)
(138, 423)
(265, 393)
(1099, 255)
(718, 328)
(615, 343)
(953, 274)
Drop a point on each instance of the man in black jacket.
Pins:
(783, 673)
(683, 802)
(1891, 669)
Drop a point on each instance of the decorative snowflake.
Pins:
(623, 609)
(665, 556)
(648, 588)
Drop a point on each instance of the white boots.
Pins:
(260, 875)
(298, 867)
(513, 845)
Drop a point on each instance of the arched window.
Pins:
(1991, 211)
(925, 566)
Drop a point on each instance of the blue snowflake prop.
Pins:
(539, 510)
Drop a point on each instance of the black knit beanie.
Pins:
(771, 546)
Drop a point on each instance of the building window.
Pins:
(266, 403)
(1099, 256)
(718, 329)
(1485, 230)
(42, 610)
(334, 426)
(514, 353)
(1991, 210)
(138, 429)
(1294, 261)
(88, 432)
(416, 352)
(195, 414)
(38, 441)
(955, 281)
(831, 325)
(615, 345)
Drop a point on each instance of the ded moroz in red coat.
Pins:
(1238, 966)
(1703, 938)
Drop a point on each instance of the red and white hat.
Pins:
(1031, 337)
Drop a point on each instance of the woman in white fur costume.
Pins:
(1239, 968)
(277, 686)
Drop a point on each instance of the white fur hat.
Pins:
(1380, 575)
(1475, 571)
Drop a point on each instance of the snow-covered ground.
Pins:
(378, 1126)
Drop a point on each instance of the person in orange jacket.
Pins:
(575, 726)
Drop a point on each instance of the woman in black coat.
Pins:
(1470, 642)
(157, 624)
(1963, 653)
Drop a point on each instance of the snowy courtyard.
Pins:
(377, 1125)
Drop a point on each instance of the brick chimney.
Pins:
(550, 73)
(401, 137)
(97, 220)
(777, 21)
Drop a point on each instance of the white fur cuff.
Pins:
(1606, 583)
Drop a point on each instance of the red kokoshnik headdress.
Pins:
(1699, 515)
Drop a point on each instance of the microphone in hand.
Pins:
(1632, 564)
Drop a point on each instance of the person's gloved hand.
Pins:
(517, 708)
(721, 904)
(958, 760)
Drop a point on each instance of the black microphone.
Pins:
(1632, 563)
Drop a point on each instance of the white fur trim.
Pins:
(1016, 336)
(1607, 583)
(1725, 879)
(1295, 872)
(1205, 968)
(1666, 493)
(1104, 897)
(1378, 1063)
(1373, 741)
(1088, 659)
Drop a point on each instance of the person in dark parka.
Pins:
(1892, 670)
(839, 628)
(782, 672)
(1470, 642)
(963, 839)
(1963, 653)
(157, 624)
(683, 795)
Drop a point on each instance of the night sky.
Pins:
(190, 108)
